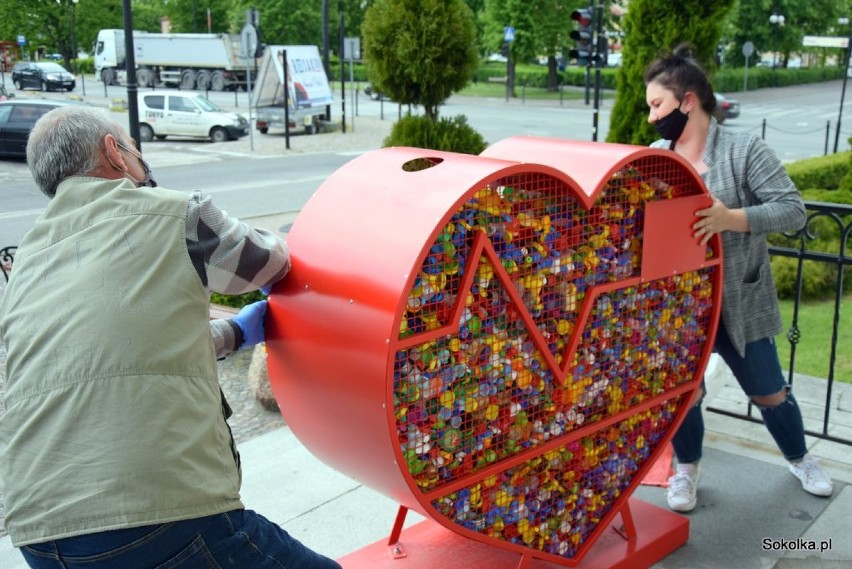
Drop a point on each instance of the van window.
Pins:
(181, 104)
(154, 101)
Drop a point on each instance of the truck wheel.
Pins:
(144, 77)
(218, 134)
(187, 80)
(263, 130)
(217, 81)
(202, 80)
(146, 133)
(108, 76)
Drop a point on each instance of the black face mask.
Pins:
(671, 126)
(149, 180)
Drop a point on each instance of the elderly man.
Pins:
(114, 449)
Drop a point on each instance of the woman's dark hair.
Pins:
(680, 72)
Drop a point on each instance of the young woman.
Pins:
(752, 196)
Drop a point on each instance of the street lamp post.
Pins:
(843, 21)
(73, 37)
(776, 20)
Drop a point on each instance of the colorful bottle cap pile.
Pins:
(528, 324)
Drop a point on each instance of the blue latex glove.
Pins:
(250, 321)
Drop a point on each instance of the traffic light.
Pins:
(582, 36)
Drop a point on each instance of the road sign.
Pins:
(352, 48)
(825, 41)
(248, 39)
(509, 34)
(748, 49)
(22, 40)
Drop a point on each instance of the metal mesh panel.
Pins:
(553, 502)
(527, 321)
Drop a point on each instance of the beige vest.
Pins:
(114, 416)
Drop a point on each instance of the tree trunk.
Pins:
(552, 74)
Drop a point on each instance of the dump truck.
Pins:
(188, 61)
(309, 91)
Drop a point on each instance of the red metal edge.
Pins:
(428, 545)
(591, 164)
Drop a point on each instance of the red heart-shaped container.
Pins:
(503, 343)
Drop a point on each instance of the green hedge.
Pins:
(537, 75)
(730, 80)
(819, 180)
(824, 172)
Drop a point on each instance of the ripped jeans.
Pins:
(758, 373)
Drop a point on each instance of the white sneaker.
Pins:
(683, 488)
(814, 478)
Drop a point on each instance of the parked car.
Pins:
(5, 95)
(726, 108)
(373, 94)
(44, 75)
(17, 117)
(170, 114)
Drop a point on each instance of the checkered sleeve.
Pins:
(230, 256)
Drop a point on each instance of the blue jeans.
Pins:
(758, 373)
(240, 538)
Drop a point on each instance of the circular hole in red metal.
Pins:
(419, 164)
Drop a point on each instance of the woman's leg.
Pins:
(760, 376)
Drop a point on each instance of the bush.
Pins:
(846, 181)
(819, 180)
(86, 65)
(536, 75)
(817, 278)
(824, 172)
(236, 300)
(730, 80)
(447, 134)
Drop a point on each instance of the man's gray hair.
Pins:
(67, 142)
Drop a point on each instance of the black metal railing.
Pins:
(825, 218)
(815, 137)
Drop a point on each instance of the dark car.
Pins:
(44, 75)
(726, 108)
(17, 118)
(373, 94)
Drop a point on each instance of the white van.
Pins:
(163, 114)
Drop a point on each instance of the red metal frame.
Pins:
(352, 377)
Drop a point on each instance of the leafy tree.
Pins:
(419, 52)
(750, 22)
(648, 33)
(541, 26)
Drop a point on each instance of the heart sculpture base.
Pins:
(428, 544)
